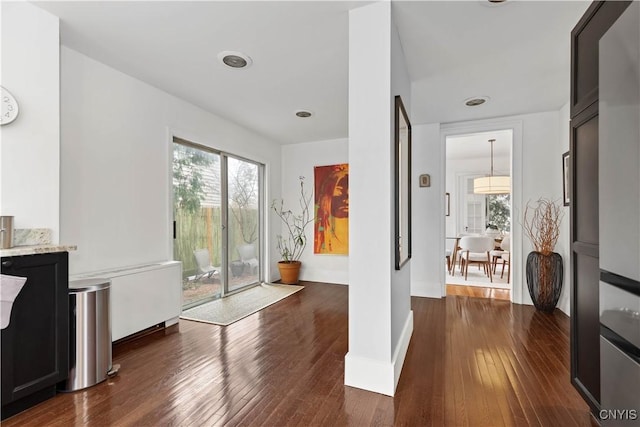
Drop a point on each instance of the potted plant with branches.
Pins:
(544, 266)
(292, 242)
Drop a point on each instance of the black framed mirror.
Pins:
(402, 177)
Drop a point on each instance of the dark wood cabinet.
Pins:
(584, 51)
(585, 366)
(35, 345)
(585, 267)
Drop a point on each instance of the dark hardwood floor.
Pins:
(471, 362)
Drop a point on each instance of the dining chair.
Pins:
(456, 254)
(506, 260)
(505, 245)
(475, 249)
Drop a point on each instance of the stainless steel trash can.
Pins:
(90, 333)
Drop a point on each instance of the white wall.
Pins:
(380, 321)
(542, 162)
(427, 265)
(29, 152)
(543, 142)
(299, 160)
(115, 176)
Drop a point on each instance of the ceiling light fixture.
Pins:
(493, 3)
(492, 184)
(234, 59)
(475, 101)
(304, 113)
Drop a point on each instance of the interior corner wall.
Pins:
(30, 148)
(115, 164)
(427, 269)
(542, 173)
(300, 160)
(401, 325)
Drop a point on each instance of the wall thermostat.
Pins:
(425, 180)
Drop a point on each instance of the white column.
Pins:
(380, 321)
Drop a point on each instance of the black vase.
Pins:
(544, 279)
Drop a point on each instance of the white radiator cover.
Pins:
(142, 296)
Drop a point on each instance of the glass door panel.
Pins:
(472, 215)
(198, 222)
(243, 184)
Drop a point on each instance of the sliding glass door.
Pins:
(243, 223)
(217, 201)
(197, 213)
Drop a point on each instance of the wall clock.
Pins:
(9, 107)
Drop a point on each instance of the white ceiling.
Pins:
(477, 146)
(516, 53)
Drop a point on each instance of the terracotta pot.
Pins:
(289, 272)
(544, 279)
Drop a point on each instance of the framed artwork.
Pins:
(402, 177)
(566, 188)
(331, 200)
(447, 204)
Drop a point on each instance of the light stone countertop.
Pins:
(36, 249)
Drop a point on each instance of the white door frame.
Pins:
(517, 283)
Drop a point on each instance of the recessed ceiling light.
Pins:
(475, 101)
(304, 113)
(234, 59)
(493, 3)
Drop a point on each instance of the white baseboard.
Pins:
(325, 276)
(369, 374)
(426, 289)
(376, 375)
(171, 322)
(401, 349)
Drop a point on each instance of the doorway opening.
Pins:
(218, 216)
(477, 224)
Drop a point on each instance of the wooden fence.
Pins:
(202, 230)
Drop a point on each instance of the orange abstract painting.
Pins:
(331, 230)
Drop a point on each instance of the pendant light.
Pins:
(492, 184)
